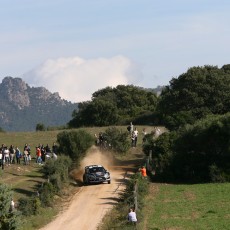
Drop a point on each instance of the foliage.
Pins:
(57, 171)
(195, 153)
(46, 194)
(9, 219)
(74, 143)
(195, 94)
(117, 139)
(112, 106)
(40, 127)
(2, 130)
(29, 206)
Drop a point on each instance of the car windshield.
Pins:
(96, 169)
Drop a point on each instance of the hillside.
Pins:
(22, 106)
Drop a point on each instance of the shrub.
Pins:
(195, 153)
(74, 144)
(118, 139)
(40, 127)
(57, 171)
(9, 220)
(29, 206)
(47, 193)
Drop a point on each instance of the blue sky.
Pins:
(77, 47)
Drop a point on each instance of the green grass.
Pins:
(23, 179)
(48, 137)
(190, 207)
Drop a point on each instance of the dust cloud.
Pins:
(96, 157)
(93, 157)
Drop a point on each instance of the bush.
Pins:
(215, 174)
(195, 153)
(117, 139)
(9, 220)
(57, 171)
(40, 127)
(74, 144)
(47, 192)
(29, 206)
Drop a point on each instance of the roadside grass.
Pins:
(23, 179)
(36, 222)
(191, 207)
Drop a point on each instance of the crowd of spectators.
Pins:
(13, 155)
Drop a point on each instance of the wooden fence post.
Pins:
(135, 195)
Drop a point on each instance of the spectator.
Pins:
(130, 128)
(1, 159)
(133, 140)
(55, 148)
(25, 156)
(6, 154)
(144, 135)
(12, 154)
(132, 216)
(143, 172)
(157, 132)
(27, 148)
(101, 139)
(18, 155)
(135, 136)
(3, 155)
(39, 155)
(12, 205)
(43, 152)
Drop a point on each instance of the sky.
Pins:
(77, 47)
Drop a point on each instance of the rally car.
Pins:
(95, 174)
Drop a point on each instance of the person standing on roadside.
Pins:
(18, 155)
(143, 172)
(135, 133)
(144, 133)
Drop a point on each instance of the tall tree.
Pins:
(193, 95)
(112, 106)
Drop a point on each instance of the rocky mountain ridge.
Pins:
(22, 106)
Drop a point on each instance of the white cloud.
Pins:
(75, 79)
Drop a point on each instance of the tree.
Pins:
(194, 153)
(9, 220)
(2, 130)
(40, 127)
(195, 94)
(113, 106)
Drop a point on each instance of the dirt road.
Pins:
(90, 204)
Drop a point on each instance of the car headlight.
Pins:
(107, 175)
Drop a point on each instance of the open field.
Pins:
(191, 207)
(48, 137)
